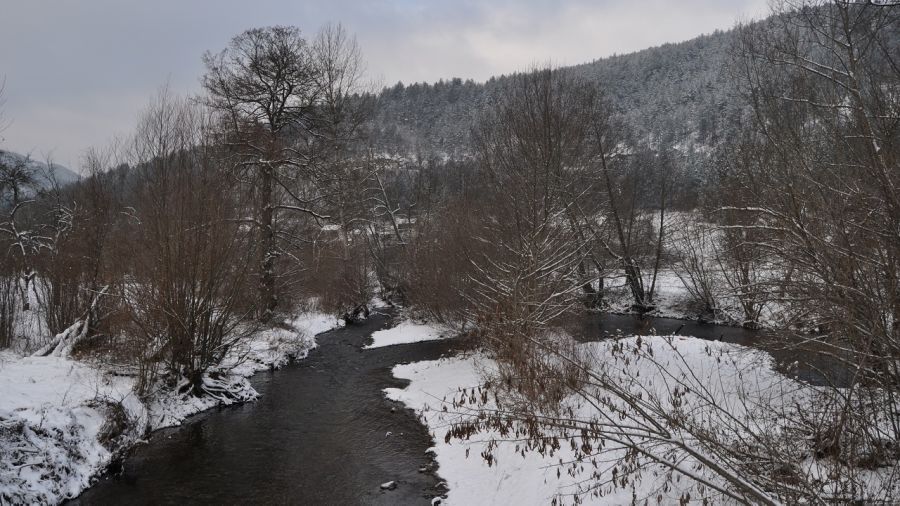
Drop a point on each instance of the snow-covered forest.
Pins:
(744, 182)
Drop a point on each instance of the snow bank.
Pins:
(53, 426)
(276, 346)
(409, 332)
(63, 421)
(735, 378)
(266, 349)
(513, 478)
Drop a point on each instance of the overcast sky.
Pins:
(79, 71)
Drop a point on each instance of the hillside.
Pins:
(675, 92)
(41, 175)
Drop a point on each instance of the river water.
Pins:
(319, 434)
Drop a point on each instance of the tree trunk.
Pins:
(267, 295)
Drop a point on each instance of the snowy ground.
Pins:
(409, 332)
(512, 478)
(53, 413)
(63, 421)
(670, 295)
(673, 300)
(737, 382)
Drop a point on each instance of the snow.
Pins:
(409, 332)
(670, 295)
(52, 412)
(55, 435)
(672, 299)
(512, 478)
(739, 380)
(277, 346)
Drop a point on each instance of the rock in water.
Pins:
(391, 485)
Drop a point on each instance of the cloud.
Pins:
(78, 72)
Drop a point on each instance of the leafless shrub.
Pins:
(525, 269)
(185, 293)
(720, 418)
(694, 245)
(439, 268)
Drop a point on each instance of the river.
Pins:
(322, 431)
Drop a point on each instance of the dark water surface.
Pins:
(317, 435)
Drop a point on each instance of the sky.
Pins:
(78, 72)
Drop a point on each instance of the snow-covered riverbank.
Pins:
(673, 299)
(514, 477)
(63, 421)
(729, 389)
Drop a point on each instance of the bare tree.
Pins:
(823, 80)
(18, 185)
(265, 85)
(75, 281)
(346, 173)
(694, 244)
(525, 262)
(637, 224)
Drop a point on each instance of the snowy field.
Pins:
(62, 421)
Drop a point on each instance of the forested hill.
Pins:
(677, 93)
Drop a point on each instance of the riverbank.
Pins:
(517, 475)
(672, 299)
(740, 393)
(63, 421)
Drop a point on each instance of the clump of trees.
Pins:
(219, 214)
